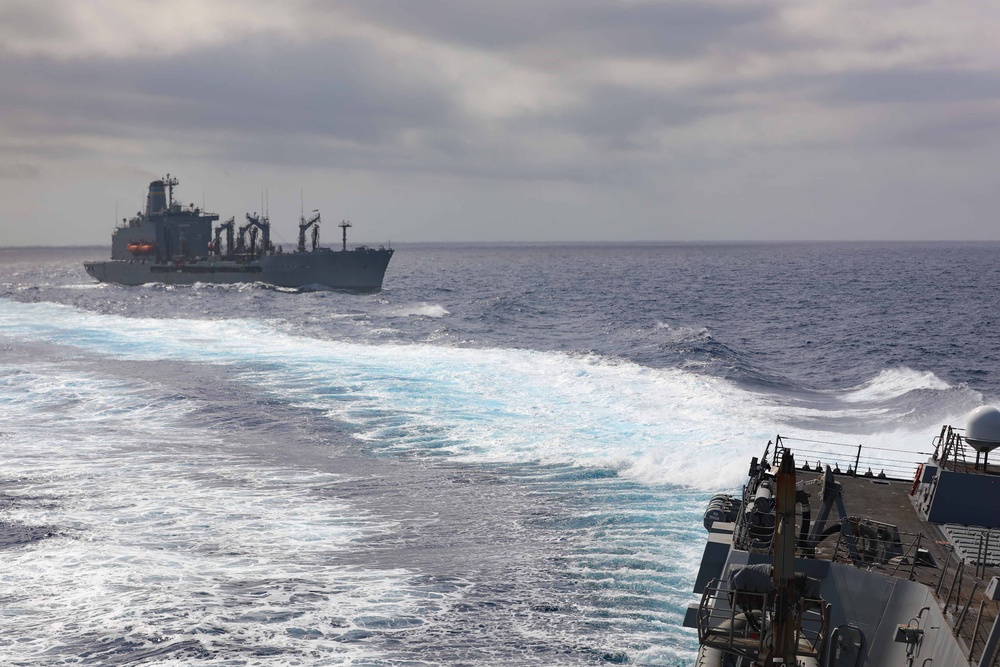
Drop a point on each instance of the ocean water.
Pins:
(501, 459)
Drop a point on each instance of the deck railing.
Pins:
(958, 585)
(739, 622)
(848, 459)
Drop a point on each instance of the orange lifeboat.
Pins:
(140, 247)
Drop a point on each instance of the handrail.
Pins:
(850, 459)
(737, 622)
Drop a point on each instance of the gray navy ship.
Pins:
(820, 564)
(179, 245)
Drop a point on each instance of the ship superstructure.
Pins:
(822, 564)
(176, 244)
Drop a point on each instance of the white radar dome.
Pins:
(982, 428)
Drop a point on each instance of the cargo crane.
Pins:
(228, 225)
(304, 226)
(241, 240)
(257, 224)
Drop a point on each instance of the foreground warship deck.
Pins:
(176, 245)
(824, 565)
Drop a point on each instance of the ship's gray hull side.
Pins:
(356, 270)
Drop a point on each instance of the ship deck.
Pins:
(958, 585)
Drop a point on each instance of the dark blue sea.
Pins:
(501, 459)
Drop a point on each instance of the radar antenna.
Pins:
(344, 224)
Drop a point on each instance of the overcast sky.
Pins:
(513, 120)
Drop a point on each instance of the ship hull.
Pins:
(354, 270)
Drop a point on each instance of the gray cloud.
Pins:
(591, 26)
(912, 86)
(332, 90)
(953, 132)
(33, 19)
(654, 109)
(18, 172)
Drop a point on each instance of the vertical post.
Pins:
(975, 631)
(986, 552)
(344, 224)
(857, 461)
(937, 591)
(940, 442)
(956, 580)
(783, 564)
(992, 642)
(979, 553)
(913, 561)
(965, 610)
(944, 451)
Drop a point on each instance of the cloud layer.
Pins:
(576, 119)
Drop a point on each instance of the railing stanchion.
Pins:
(937, 591)
(975, 632)
(913, 561)
(965, 610)
(979, 553)
(954, 582)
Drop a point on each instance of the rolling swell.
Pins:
(819, 316)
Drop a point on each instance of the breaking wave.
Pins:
(662, 425)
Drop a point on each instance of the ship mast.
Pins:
(783, 567)
(344, 224)
(170, 183)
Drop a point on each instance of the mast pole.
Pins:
(170, 183)
(344, 224)
(783, 569)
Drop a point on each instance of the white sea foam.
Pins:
(656, 425)
(163, 538)
(133, 496)
(421, 310)
(893, 383)
(679, 333)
